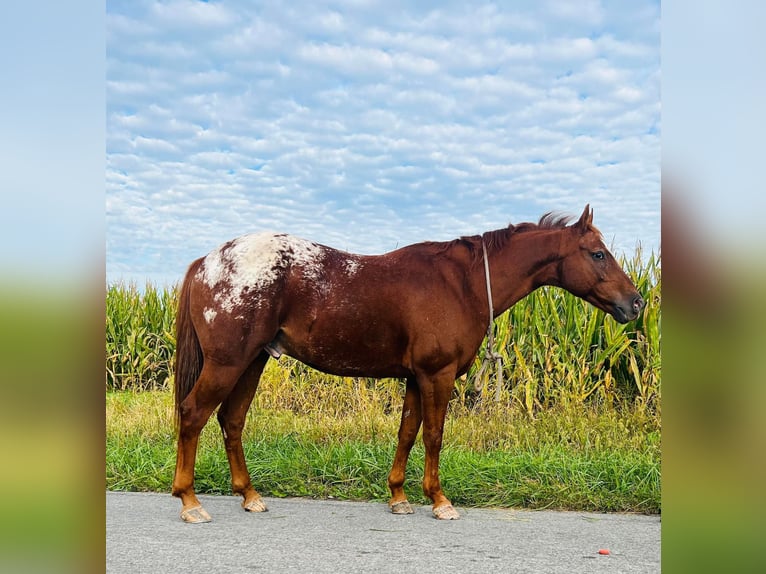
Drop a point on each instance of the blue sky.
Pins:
(371, 125)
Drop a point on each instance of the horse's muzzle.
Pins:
(638, 304)
(625, 313)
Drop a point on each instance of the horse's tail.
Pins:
(188, 350)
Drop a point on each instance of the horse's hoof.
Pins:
(401, 507)
(255, 505)
(196, 515)
(446, 512)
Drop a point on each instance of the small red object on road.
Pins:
(604, 551)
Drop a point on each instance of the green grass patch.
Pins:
(565, 458)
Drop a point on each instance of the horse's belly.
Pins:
(342, 356)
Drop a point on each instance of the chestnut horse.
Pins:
(419, 313)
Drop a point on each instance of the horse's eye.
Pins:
(597, 255)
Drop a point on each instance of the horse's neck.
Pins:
(527, 262)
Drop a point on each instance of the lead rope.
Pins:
(490, 354)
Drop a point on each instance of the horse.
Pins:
(419, 313)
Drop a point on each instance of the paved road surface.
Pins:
(145, 535)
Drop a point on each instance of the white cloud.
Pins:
(584, 11)
(153, 146)
(417, 123)
(347, 59)
(568, 49)
(191, 14)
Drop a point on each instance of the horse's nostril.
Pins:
(638, 304)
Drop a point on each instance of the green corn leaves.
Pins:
(140, 340)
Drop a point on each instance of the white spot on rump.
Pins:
(254, 262)
(352, 265)
(209, 314)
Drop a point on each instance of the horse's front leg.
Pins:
(435, 393)
(408, 431)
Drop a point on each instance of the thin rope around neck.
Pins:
(490, 354)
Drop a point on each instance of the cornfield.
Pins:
(555, 348)
(140, 337)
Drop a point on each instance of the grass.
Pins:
(563, 459)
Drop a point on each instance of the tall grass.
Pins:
(556, 349)
(567, 458)
(140, 337)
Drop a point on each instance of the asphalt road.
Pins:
(145, 534)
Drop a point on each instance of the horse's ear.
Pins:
(586, 219)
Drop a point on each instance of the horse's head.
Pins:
(589, 271)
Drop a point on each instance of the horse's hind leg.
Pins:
(231, 417)
(214, 384)
(408, 431)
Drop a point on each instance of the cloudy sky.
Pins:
(369, 125)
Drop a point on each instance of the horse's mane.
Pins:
(550, 220)
(499, 238)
